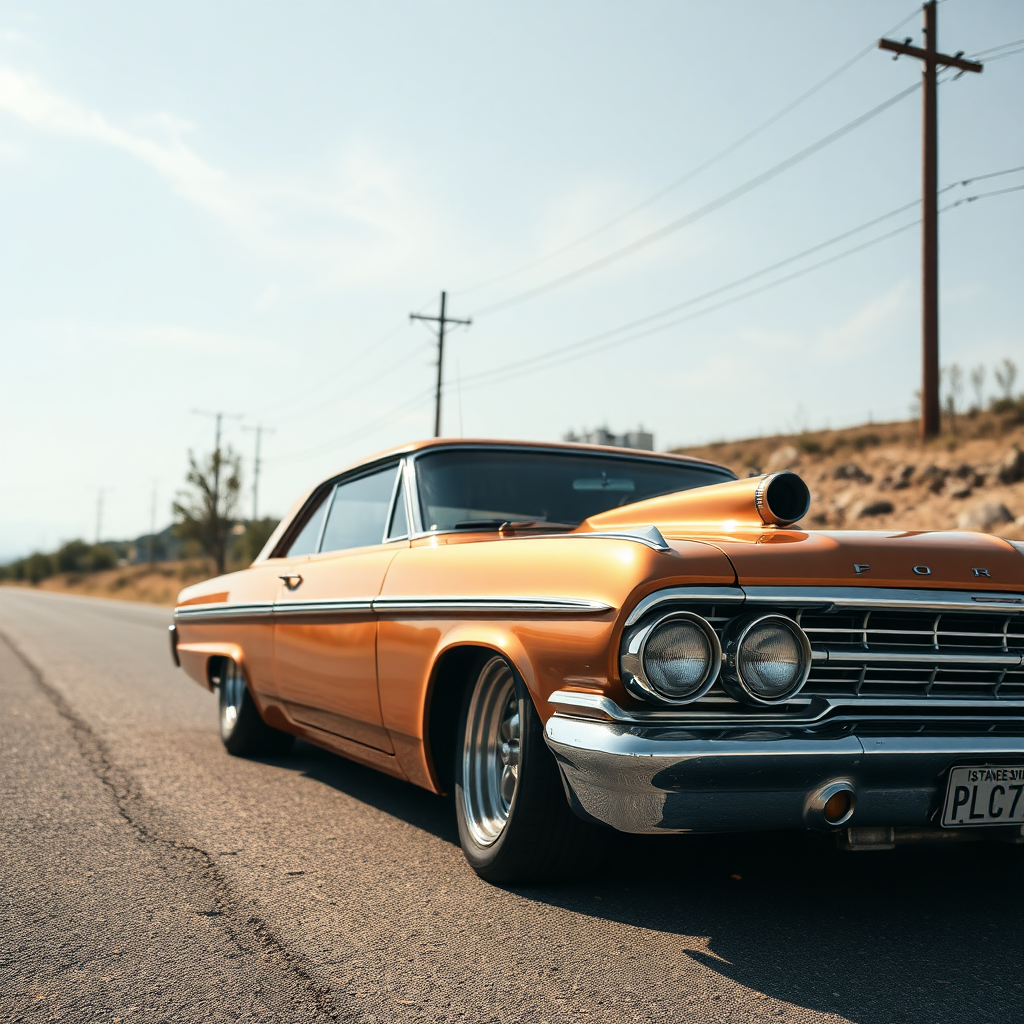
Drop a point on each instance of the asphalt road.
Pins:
(145, 875)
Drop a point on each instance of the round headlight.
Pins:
(767, 659)
(672, 660)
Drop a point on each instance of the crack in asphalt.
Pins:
(130, 803)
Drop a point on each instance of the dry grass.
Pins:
(883, 451)
(158, 584)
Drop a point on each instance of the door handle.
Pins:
(291, 579)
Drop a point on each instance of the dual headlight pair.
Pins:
(676, 658)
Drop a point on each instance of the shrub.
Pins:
(72, 557)
(862, 441)
(38, 567)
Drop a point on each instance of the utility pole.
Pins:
(152, 524)
(441, 321)
(99, 514)
(259, 430)
(932, 61)
(219, 417)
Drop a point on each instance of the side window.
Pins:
(305, 542)
(359, 511)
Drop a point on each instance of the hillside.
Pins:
(151, 584)
(880, 476)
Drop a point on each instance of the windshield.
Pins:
(481, 488)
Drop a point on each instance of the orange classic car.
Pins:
(567, 636)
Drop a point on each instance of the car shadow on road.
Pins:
(417, 807)
(917, 934)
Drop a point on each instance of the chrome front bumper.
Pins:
(669, 778)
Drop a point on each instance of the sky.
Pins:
(228, 206)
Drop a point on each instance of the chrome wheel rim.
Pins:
(490, 753)
(232, 689)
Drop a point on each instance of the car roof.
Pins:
(483, 442)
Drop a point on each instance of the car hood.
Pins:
(960, 560)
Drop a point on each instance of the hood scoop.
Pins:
(773, 500)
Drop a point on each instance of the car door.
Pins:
(325, 630)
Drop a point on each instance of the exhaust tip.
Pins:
(831, 805)
(782, 499)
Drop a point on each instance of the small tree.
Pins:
(978, 383)
(953, 378)
(257, 533)
(204, 511)
(1006, 377)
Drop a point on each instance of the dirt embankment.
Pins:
(880, 476)
(151, 584)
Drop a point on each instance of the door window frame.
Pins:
(399, 492)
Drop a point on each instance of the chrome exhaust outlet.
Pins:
(831, 805)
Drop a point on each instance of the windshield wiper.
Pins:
(510, 525)
(480, 524)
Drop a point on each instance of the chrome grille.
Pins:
(931, 654)
(919, 646)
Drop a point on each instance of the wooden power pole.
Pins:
(259, 430)
(441, 321)
(932, 61)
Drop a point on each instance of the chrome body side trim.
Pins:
(284, 609)
(195, 613)
(662, 778)
(882, 597)
(682, 595)
(434, 605)
(570, 605)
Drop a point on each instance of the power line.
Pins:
(569, 352)
(325, 381)
(702, 211)
(1000, 56)
(325, 446)
(693, 172)
(993, 49)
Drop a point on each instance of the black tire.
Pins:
(242, 730)
(513, 832)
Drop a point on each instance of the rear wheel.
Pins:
(515, 823)
(243, 731)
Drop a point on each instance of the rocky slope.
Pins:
(880, 476)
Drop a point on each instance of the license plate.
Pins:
(984, 795)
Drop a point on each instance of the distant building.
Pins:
(602, 435)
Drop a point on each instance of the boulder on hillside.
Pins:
(843, 501)
(851, 471)
(1011, 468)
(933, 477)
(875, 507)
(961, 490)
(902, 479)
(984, 518)
(782, 458)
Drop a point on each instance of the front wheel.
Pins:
(242, 730)
(515, 823)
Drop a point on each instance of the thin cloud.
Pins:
(190, 176)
